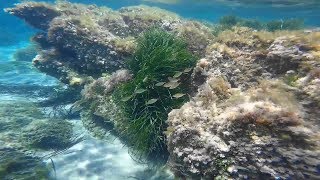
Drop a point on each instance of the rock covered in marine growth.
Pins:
(86, 40)
(15, 164)
(24, 129)
(254, 111)
(255, 114)
(36, 14)
(102, 115)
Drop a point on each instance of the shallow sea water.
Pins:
(94, 159)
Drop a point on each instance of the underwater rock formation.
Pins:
(24, 125)
(15, 117)
(245, 56)
(38, 15)
(137, 102)
(248, 137)
(101, 114)
(254, 95)
(244, 121)
(86, 40)
(54, 134)
(17, 165)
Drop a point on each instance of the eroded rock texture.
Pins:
(255, 112)
(86, 40)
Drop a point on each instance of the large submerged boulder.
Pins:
(255, 114)
(86, 40)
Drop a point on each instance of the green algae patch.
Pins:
(23, 124)
(53, 134)
(17, 165)
(161, 71)
(16, 115)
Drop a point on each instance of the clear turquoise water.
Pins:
(104, 159)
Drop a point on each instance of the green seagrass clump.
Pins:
(161, 67)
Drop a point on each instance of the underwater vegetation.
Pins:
(26, 124)
(17, 165)
(52, 134)
(247, 107)
(15, 117)
(24, 129)
(161, 67)
(228, 21)
(263, 110)
(288, 24)
(135, 102)
(59, 99)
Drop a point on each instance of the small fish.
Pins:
(169, 131)
(168, 84)
(187, 70)
(178, 74)
(178, 95)
(175, 85)
(145, 79)
(125, 99)
(151, 101)
(171, 85)
(173, 79)
(160, 84)
(104, 74)
(139, 91)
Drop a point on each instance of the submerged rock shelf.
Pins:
(249, 107)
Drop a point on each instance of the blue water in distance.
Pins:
(14, 30)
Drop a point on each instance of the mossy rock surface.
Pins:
(53, 134)
(15, 165)
(16, 115)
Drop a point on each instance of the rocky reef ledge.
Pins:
(78, 41)
(256, 112)
(248, 108)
